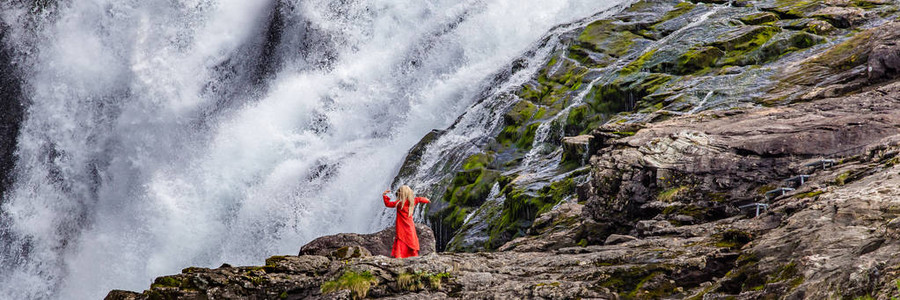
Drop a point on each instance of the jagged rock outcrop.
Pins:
(700, 169)
(701, 166)
(378, 243)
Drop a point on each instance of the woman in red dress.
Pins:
(406, 243)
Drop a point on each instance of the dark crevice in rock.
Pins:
(11, 112)
(244, 74)
(763, 155)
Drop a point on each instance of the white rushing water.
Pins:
(165, 134)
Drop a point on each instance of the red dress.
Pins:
(406, 243)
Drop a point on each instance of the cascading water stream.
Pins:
(166, 134)
(536, 155)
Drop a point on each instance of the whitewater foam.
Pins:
(148, 148)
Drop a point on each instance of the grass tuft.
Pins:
(358, 284)
(418, 280)
(671, 194)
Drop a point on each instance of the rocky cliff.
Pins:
(701, 150)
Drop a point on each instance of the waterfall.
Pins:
(165, 134)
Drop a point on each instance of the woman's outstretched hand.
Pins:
(386, 192)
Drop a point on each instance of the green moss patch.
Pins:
(420, 280)
(745, 38)
(744, 277)
(779, 46)
(635, 282)
(677, 11)
(789, 273)
(467, 190)
(697, 59)
(520, 113)
(358, 283)
(552, 91)
(477, 161)
(470, 187)
(166, 281)
(809, 195)
(844, 56)
(759, 18)
(739, 44)
(626, 93)
(603, 36)
(672, 194)
(793, 9)
(521, 207)
(842, 178)
(638, 64)
(732, 238)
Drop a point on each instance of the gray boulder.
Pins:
(378, 243)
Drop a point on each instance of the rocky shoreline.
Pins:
(660, 172)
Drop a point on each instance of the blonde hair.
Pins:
(405, 194)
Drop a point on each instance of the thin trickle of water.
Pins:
(543, 132)
(700, 105)
(166, 134)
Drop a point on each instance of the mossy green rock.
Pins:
(578, 119)
(792, 9)
(625, 93)
(759, 18)
(468, 189)
(604, 36)
(471, 187)
(522, 206)
(787, 43)
(697, 60)
(520, 127)
(745, 38)
(567, 73)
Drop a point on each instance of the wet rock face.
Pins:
(346, 245)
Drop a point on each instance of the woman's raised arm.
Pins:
(387, 200)
(422, 200)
